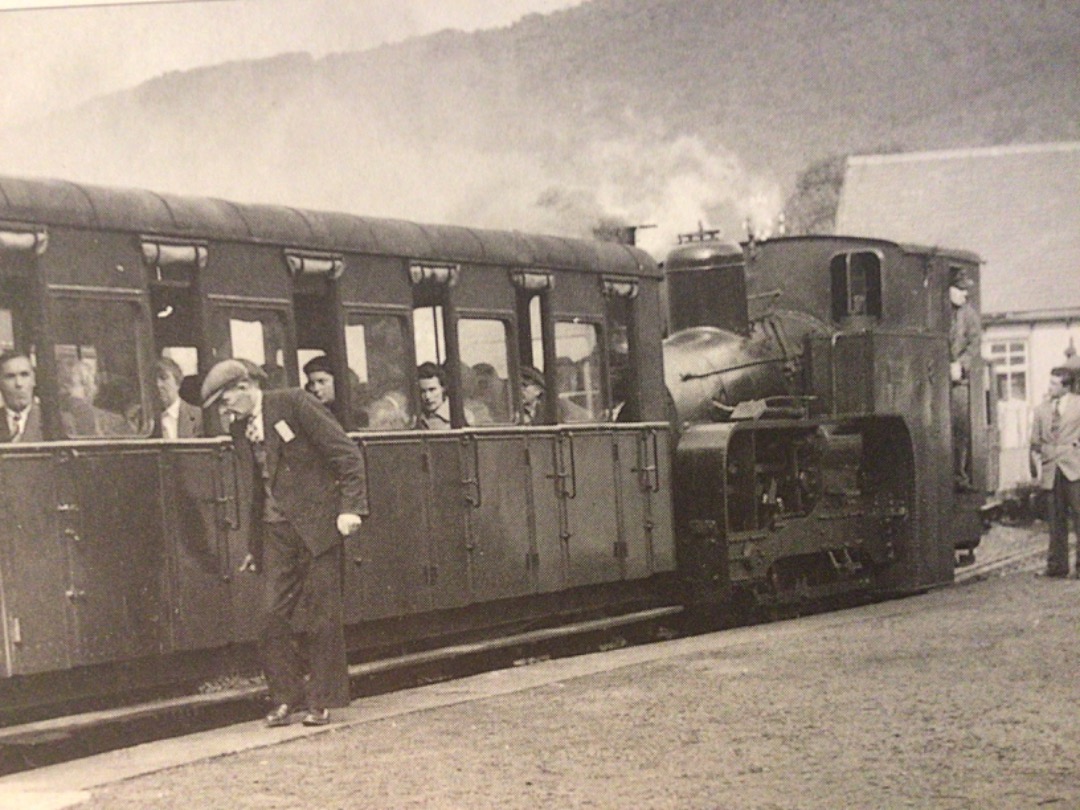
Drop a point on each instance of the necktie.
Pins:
(253, 430)
(16, 425)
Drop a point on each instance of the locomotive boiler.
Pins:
(809, 377)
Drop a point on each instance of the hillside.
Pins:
(659, 111)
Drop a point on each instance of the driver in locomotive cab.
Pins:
(965, 333)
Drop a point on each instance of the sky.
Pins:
(55, 57)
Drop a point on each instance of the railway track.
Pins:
(1027, 554)
(62, 739)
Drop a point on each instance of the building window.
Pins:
(1010, 369)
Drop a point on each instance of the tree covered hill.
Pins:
(660, 111)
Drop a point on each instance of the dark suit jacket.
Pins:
(316, 471)
(32, 429)
(189, 422)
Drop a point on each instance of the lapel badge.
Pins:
(284, 431)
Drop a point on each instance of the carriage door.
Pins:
(586, 452)
(637, 452)
(198, 484)
(441, 458)
(257, 332)
(34, 611)
(319, 324)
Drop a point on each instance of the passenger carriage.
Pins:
(118, 551)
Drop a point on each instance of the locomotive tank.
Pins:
(710, 370)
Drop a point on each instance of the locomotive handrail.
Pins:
(737, 367)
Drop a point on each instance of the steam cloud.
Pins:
(321, 147)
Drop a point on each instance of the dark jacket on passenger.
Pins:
(31, 431)
(315, 470)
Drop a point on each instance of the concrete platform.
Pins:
(73, 783)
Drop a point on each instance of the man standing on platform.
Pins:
(309, 491)
(1055, 446)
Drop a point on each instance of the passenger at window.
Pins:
(533, 391)
(434, 397)
(965, 333)
(389, 412)
(274, 377)
(176, 419)
(77, 391)
(532, 396)
(489, 391)
(22, 413)
(117, 410)
(320, 384)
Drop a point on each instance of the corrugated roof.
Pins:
(1018, 207)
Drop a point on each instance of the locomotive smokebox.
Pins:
(706, 284)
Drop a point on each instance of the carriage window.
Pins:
(100, 389)
(621, 358)
(429, 334)
(484, 373)
(377, 351)
(856, 285)
(536, 332)
(579, 371)
(258, 336)
(7, 330)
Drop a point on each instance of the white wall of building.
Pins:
(1023, 355)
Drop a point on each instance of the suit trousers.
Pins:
(1064, 498)
(960, 419)
(302, 630)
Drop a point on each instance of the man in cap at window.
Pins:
(965, 334)
(309, 491)
(532, 396)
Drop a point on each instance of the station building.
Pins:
(1018, 207)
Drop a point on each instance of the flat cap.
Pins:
(958, 277)
(530, 375)
(319, 363)
(220, 377)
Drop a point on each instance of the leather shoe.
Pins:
(279, 716)
(1051, 575)
(317, 717)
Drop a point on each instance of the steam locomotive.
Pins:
(810, 376)
(777, 433)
